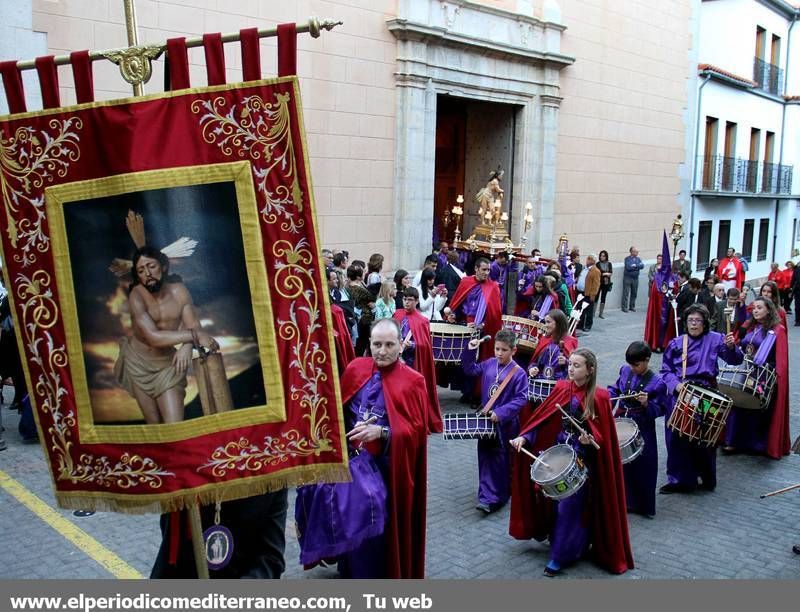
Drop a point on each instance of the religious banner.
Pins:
(162, 262)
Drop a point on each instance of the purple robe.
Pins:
(641, 473)
(494, 466)
(409, 353)
(499, 274)
(748, 429)
(368, 560)
(547, 362)
(569, 538)
(687, 461)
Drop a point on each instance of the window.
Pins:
(747, 239)
(729, 161)
(769, 173)
(710, 157)
(761, 42)
(752, 164)
(723, 238)
(703, 244)
(763, 238)
(775, 51)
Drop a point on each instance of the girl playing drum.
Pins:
(692, 358)
(764, 431)
(549, 359)
(593, 518)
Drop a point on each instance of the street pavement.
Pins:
(729, 533)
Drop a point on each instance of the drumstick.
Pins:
(779, 491)
(578, 427)
(534, 457)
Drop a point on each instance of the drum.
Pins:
(631, 442)
(525, 330)
(749, 386)
(449, 341)
(467, 426)
(540, 388)
(560, 473)
(700, 414)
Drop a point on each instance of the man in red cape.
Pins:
(731, 271)
(659, 326)
(406, 408)
(478, 297)
(341, 338)
(420, 328)
(532, 514)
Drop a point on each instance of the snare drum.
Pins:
(525, 330)
(749, 386)
(449, 341)
(560, 473)
(700, 414)
(631, 442)
(540, 388)
(468, 426)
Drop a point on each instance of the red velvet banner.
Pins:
(217, 182)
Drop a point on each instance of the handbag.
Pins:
(332, 519)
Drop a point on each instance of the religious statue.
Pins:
(487, 196)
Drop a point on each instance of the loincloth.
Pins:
(152, 375)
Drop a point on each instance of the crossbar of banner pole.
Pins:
(313, 26)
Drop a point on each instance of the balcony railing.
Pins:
(768, 77)
(734, 175)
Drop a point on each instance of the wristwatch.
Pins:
(384, 434)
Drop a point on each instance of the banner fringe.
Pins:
(238, 489)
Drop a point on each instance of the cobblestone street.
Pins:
(729, 533)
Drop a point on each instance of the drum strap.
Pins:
(408, 337)
(502, 386)
(685, 356)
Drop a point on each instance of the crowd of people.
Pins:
(696, 324)
(390, 380)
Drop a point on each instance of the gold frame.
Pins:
(239, 173)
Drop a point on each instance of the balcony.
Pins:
(768, 77)
(734, 175)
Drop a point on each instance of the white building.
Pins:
(745, 190)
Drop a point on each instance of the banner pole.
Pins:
(133, 37)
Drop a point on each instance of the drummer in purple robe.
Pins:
(498, 272)
(504, 392)
(553, 348)
(686, 460)
(650, 403)
(763, 431)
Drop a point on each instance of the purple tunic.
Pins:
(641, 473)
(547, 362)
(569, 537)
(500, 273)
(315, 521)
(494, 467)
(748, 429)
(409, 353)
(686, 461)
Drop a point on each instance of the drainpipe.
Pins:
(783, 128)
(694, 166)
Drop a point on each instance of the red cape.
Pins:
(423, 362)
(723, 263)
(652, 324)
(778, 442)
(406, 400)
(532, 514)
(493, 320)
(345, 353)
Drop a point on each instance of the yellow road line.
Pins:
(82, 540)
